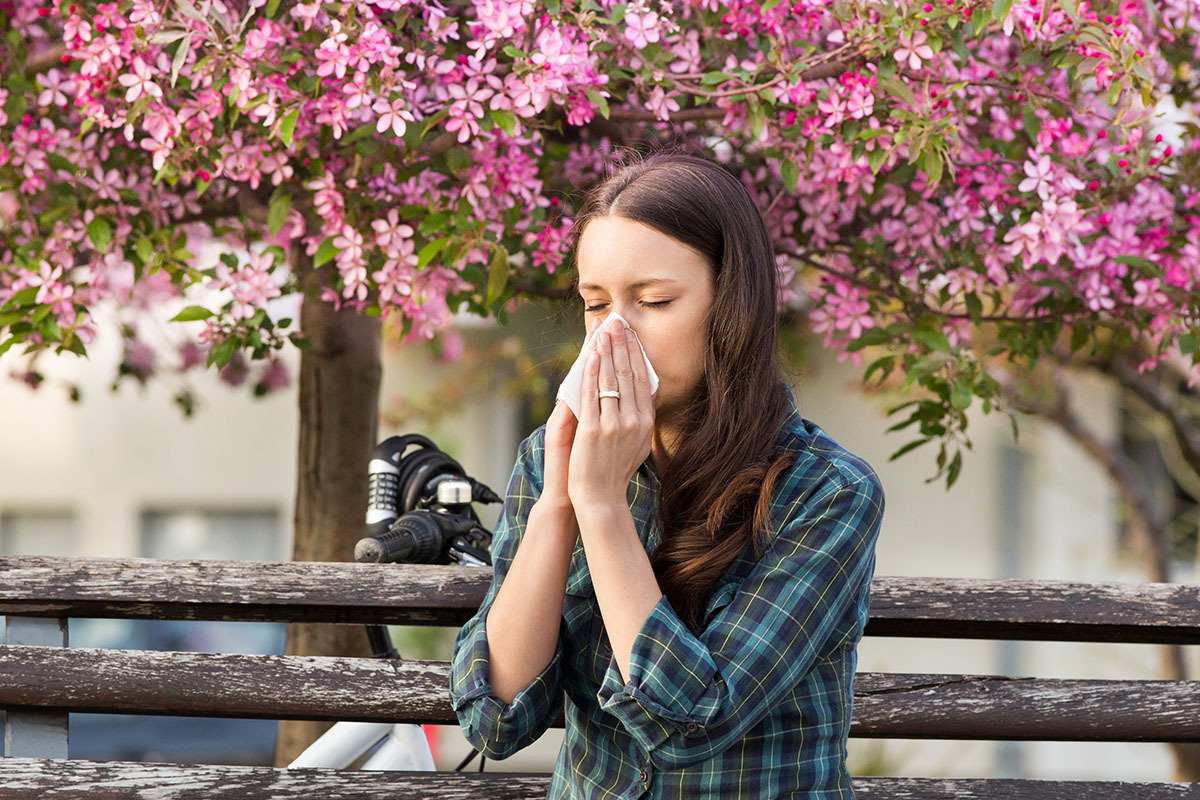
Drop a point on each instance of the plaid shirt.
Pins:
(757, 705)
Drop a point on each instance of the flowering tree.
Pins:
(957, 188)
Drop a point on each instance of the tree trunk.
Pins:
(339, 409)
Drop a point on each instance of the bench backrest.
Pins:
(49, 678)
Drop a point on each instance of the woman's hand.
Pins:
(614, 434)
(560, 432)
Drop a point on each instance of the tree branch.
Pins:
(1166, 403)
(1124, 475)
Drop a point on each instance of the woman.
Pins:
(689, 570)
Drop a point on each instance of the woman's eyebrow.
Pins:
(637, 285)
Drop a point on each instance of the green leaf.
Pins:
(506, 120)
(933, 166)
(1187, 343)
(145, 250)
(1069, 7)
(22, 298)
(277, 214)
(287, 127)
(882, 365)
(932, 339)
(1138, 261)
(1030, 122)
(221, 353)
(876, 158)
(975, 308)
(791, 175)
(192, 314)
(897, 88)
(181, 54)
(913, 445)
(497, 274)
(458, 159)
(272, 7)
(1000, 9)
(871, 336)
(757, 117)
(961, 395)
(100, 232)
(713, 78)
(955, 468)
(599, 101)
(431, 249)
(326, 251)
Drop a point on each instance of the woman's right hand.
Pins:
(560, 434)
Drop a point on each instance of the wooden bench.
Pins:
(39, 683)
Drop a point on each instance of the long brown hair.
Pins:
(716, 492)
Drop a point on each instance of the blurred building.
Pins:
(126, 474)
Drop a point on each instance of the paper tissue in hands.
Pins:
(571, 389)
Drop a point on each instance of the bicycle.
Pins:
(418, 512)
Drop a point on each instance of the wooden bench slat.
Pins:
(45, 779)
(254, 591)
(324, 688)
(405, 594)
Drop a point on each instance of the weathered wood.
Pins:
(319, 688)
(1041, 709)
(1049, 610)
(36, 733)
(224, 685)
(143, 588)
(39, 779)
(431, 595)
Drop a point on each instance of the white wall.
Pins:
(114, 456)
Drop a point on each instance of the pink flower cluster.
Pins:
(406, 143)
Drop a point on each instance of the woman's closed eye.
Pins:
(658, 304)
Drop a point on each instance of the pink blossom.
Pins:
(393, 115)
(55, 88)
(913, 49)
(467, 108)
(140, 82)
(1038, 177)
(661, 104)
(274, 377)
(641, 28)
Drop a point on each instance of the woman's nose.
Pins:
(625, 316)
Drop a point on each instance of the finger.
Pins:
(607, 377)
(624, 372)
(641, 378)
(589, 408)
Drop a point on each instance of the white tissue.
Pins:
(570, 391)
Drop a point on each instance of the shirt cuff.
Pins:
(673, 683)
(486, 718)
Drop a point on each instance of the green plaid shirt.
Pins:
(757, 705)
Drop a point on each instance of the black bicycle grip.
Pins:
(414, 539)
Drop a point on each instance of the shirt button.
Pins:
(692, 728)
(645, 777)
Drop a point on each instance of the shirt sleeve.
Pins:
(495, 728)
(691, 696)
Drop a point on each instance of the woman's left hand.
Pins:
(614, 434)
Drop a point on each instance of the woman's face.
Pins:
(668, 315)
